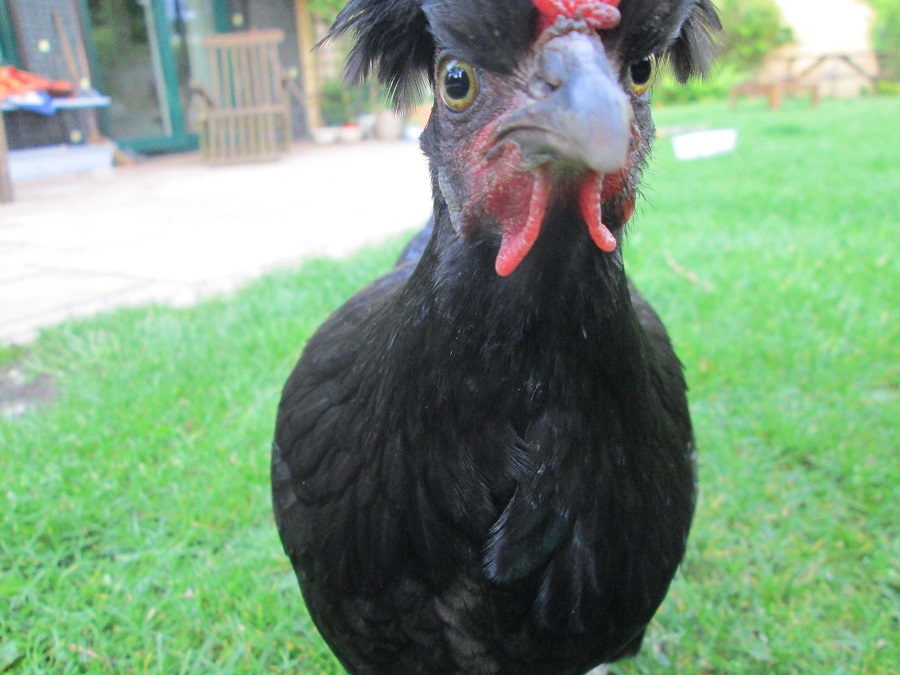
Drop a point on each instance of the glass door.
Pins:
(190, 21)
(126, 39)
(148, 53)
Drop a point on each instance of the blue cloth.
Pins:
(35, 101)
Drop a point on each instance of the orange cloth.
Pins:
(14, 81)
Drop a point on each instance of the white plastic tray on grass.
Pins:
(698, 144)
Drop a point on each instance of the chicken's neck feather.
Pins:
(565, 285)
(564, 312)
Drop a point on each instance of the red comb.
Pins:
(598, 14)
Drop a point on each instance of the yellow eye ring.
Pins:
(641, 75)
(458, 84)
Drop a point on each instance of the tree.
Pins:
(752, 29)
(886, 36)
(326, 9)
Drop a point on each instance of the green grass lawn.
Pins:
(136, 532)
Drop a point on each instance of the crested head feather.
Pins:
(493, 35)
(679, 31)
(396, 39)
(693, 51)
(392, 39)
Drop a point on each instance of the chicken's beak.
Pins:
(567, 135)
(579, 113)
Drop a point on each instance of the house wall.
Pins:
(830, 27)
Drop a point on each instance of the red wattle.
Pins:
(519, 237)
(589, 199)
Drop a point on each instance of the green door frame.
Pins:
(180, 140)
(8, 52)
(222, 12)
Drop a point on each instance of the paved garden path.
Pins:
(173, 230)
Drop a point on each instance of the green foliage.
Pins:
(667, 90)
(326, 9)
(136, 531)
(752, 29)
(888, 88)
(123, 18)
(341, 103)
(10, 354)
(886, 28)
(886, 37)
(334, 103)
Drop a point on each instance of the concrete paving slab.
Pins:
(174, 230)
(16, 271)
(48, 291)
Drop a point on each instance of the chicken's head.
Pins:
(537, 102)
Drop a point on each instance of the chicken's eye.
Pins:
(641, 75)
(459, 86)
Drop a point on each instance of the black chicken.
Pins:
(484, 461)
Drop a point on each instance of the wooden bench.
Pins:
(775, 92)
(246, 115)
(88, 100)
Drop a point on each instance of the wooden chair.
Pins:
(246, 115)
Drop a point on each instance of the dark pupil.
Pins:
(456, 83)
(640, 72)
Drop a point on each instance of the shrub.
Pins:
(752, 29)
(326, 10)
(886, 38)
(668, 90)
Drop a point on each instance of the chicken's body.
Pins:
(476, 473)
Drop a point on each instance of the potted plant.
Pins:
(334, 111)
